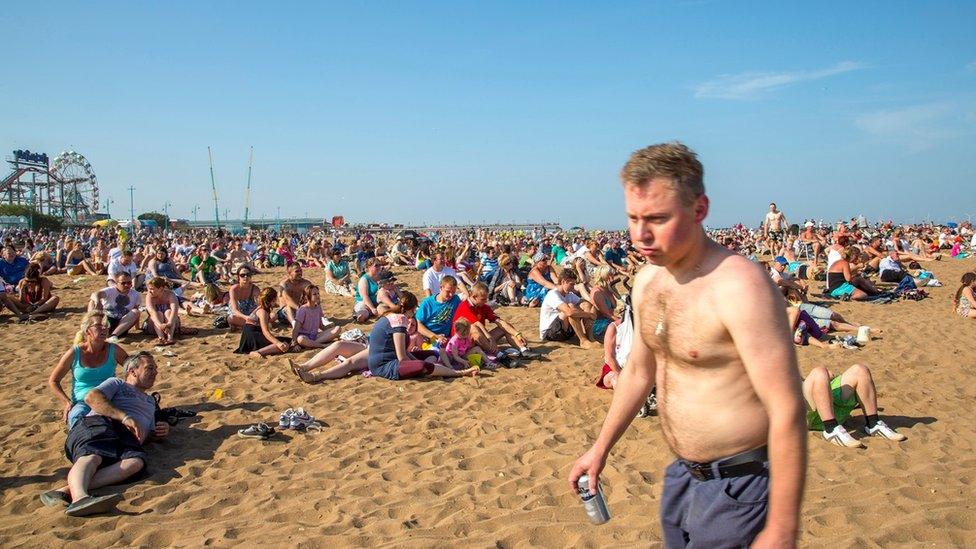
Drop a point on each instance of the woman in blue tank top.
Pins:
(91, 360)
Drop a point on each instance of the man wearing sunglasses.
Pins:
(120, 302)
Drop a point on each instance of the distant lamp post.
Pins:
(166, 214)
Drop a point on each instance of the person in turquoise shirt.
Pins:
(91, 360)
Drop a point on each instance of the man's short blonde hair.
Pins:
(673, 161)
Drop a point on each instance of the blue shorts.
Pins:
(844, 289)
(77, 411)
(725, 512)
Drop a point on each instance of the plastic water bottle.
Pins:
(595, 505)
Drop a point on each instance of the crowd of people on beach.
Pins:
(579, 281)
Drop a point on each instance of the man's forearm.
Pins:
(424, 331)
(96, 400)
(509, 329)
(581, 314)
(628, 396)
(787, 466)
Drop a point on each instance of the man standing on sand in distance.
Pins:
(712, 335)
(775, 223)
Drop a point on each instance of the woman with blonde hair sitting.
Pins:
(91, 360)
(603, 300)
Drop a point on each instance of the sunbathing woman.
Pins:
(842, 284)
(256, 337)
(900, 244)
(964, 302)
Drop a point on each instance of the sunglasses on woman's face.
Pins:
(244, 275)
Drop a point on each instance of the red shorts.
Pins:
(603, 374)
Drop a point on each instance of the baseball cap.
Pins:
(808, 224)
(781, 260)
(384, 277)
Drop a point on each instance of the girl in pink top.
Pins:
(308, 319)
(461, 346)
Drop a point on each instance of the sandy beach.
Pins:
(471, 462)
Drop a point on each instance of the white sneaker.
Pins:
(882, 430)
(284, 420)
(841, 437)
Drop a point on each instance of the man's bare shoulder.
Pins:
(645, 276)
(735, 273)
(742, 287)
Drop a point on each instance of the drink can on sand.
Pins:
(864, 334)
(595, 505)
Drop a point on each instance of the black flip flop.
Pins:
(92, 505)
(53, 498)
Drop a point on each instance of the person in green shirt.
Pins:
(203, 267)
(558, 252)
(526, 259)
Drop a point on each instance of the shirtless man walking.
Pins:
(775, 223)
(713, 337)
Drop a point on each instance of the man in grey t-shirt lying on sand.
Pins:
(106, 446)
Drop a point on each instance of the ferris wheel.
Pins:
(76, 186)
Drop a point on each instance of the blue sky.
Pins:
(471, 111)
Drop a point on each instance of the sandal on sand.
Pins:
(92, 505)
(53, 498)
(258, 430)
(297, 370)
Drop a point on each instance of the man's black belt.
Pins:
(751, 462)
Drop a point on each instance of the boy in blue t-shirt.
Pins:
(436, 312)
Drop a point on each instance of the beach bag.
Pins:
(625, 334)
(220, 323)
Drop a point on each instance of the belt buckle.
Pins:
(699, 471)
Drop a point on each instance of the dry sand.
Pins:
(471, 462)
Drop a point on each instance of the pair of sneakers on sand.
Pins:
(841, 437)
